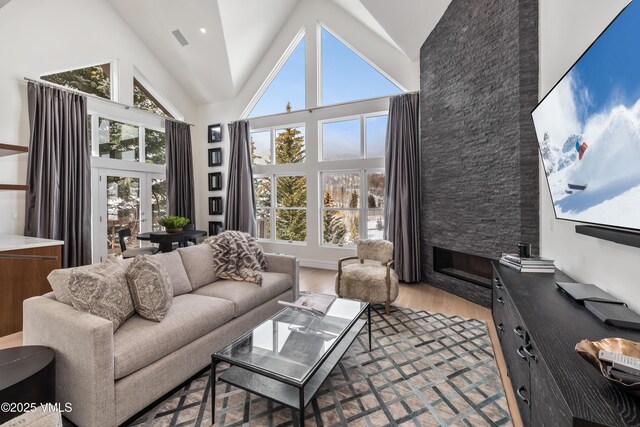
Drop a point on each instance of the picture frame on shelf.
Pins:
(214, 133)
(215, 228)
(215, 181)
(215, 206)
(215, 157)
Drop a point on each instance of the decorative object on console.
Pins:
(173, 224)
(375, 283)
(214, 133)
(589, 350)
(215, 181)
(150, 287)
(215, 206)
(215, 157)
(531, 264)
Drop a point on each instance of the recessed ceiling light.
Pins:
(203, 30)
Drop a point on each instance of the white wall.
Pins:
(567, 29)
(41, 36)
(380, 52)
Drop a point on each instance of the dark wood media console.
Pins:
(538, 327)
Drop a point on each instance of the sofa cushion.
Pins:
(140, 342)
(150, 287)
(172, 262)
(102, 293)
(198, 261)
(247, 296)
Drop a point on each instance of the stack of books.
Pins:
(534, 264)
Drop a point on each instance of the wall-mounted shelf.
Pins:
(10, 149)
(18, 187)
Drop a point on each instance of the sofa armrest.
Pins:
(84, 357)
(279, 263)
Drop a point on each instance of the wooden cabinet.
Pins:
(23, 274)
(538, 328)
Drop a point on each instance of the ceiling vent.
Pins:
(178, 35)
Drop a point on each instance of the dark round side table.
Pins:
(27, 376)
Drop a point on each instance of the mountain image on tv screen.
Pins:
(588, 128)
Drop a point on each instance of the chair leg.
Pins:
(387, 307)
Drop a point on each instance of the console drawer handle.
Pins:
(522, 355)
(519, 392)
(501, 326)
(500, 300)
(527, 350)
(498, 284)
(518, 331)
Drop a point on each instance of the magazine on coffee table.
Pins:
(317, 303)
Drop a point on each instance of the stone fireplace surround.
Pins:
(479, 165)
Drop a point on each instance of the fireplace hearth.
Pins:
(470, 268)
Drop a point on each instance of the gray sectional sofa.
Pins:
(109, 377)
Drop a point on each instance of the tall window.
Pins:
(94, 80)
(321, 180)
(347, 76)
(287, 86)
(282, 207)
(144, 100)
(281, 199)
(125, 141)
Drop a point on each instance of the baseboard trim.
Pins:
(324, 265)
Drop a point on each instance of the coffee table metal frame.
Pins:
(280, 388)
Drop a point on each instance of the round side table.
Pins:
(27, 376)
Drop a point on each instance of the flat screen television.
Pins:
(588, 129)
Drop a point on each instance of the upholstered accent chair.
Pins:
(373, 278)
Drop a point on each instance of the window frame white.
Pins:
(274, 207)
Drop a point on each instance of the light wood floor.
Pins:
(419, 297)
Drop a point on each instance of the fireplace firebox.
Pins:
(471, 268)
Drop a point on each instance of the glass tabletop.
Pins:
(293, 342)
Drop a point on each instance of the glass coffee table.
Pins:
(287, 357)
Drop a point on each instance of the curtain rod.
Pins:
(88, 95)
(322, 107)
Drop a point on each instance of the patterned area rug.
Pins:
(423, 370)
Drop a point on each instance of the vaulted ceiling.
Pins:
(215, 65)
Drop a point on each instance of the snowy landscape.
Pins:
(588, 128)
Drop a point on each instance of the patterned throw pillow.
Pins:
(150, 286)
(104, 293)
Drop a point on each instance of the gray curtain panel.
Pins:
(402, 185)
(58, 202)
(240, 209)
(180, 195)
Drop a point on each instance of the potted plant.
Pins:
(173, 224)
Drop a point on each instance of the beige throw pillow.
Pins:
(150, 287)
(104, 293)
(61, 278)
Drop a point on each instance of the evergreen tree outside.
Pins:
(333, 228)
(371, 201)
(353, 203)
(291, 224)
(354, 230)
